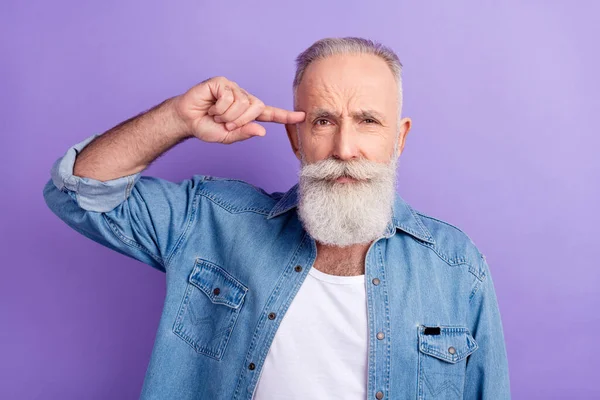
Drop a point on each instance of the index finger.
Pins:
(279, 115)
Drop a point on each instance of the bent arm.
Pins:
(131, 146)
(96, 188)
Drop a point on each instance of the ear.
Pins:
(405, 125)
(292, 132)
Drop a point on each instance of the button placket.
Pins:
(377, 297)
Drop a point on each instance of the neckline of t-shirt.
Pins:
(337, 279)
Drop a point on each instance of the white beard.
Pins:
(343, 214)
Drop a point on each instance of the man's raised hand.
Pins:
(218, 110)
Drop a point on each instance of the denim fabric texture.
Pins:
(233, 253)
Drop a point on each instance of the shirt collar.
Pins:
(404, 216)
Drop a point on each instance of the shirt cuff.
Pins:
(90, 194)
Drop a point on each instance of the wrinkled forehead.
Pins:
(346, 83)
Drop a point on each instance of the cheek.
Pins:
(316, 147)
(377, 148)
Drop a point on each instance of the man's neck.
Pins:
(343, 261)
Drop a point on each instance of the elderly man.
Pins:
(335, 289)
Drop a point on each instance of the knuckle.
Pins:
(228, 95)
(221, 108)
(245, 101)
(240, 123)
(242, 120)
(215, 80)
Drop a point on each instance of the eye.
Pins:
(321, 122)
(370, 121)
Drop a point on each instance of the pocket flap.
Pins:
(217, 284)
(447, 343)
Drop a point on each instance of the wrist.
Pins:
(179, 129)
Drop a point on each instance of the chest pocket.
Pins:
(443, 351)
(209, 308)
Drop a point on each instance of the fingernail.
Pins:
(230, 126)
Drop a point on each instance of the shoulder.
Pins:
(235, 195)
(453, 245)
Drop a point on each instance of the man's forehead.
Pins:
(330, 88)
(349, 82)
(349, 69)
(357, 93)
(369, 68)
(325, 101)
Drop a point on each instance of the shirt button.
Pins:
(251, 366)
(380, 335)
(376, 281)
(272, 315)
(298, 268)
(379, 395)
(216, 291)
(451, 350)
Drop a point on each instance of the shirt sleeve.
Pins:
(487, 374)
(142, 217)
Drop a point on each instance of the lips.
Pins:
(345, 179)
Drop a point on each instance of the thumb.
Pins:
(246, 131)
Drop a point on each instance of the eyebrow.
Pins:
(359, 114)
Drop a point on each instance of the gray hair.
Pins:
(348, 45)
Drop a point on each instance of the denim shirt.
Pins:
(235, 257)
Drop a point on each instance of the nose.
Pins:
(345, 145)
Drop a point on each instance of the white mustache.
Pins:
(331, 168)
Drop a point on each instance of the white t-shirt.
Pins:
(320, 348)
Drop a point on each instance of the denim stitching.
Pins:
(217, 179)
(476, 289)
(388, 324)
(281, 205)
(130, 242)
(420, 223)
(371, 380)
(449, 331)
(233, 210)
(419, 369)
(183, 234)
(128, 188)
(457, 228)
(178, 327)
(454, 263)
(447, 384)
(215, 269)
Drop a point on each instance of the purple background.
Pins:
(503, 100)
